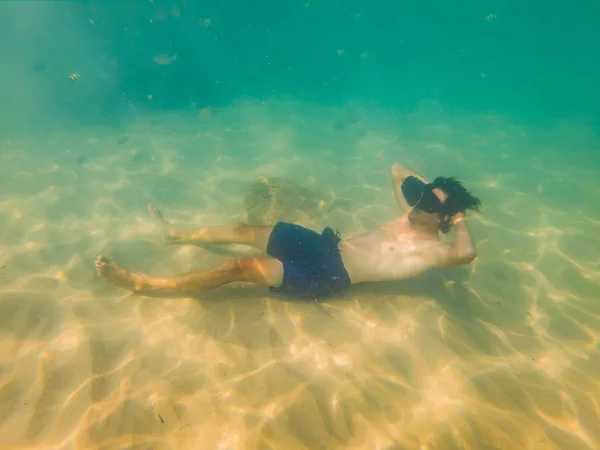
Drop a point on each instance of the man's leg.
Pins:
(261, 271)
(255, 236)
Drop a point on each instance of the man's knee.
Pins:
(242, 267)
(263, 271)
(256, 236)
(242, 230)
(246, 267)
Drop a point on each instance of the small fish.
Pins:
(490, 17)
(74, 77)
(163, 59)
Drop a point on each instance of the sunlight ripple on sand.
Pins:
(501, 354)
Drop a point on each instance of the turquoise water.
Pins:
(106, 107)
(537, 58)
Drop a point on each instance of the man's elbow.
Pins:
(468, 257)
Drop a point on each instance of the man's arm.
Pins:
(399, 174)
(462, 251)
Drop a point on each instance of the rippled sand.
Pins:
(500, 355)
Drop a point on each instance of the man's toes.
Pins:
(102, 263)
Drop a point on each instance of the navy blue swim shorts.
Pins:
(312, 264)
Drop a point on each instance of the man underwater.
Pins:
(311, 265)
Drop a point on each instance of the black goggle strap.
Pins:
(418, 201)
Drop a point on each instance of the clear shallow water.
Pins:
(500, 354)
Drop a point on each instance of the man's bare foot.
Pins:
(168, 231)
(118, 276)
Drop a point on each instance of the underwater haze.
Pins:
(108, 106)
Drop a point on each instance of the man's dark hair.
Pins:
(458, 200)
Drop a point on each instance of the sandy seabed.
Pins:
(502, 354)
